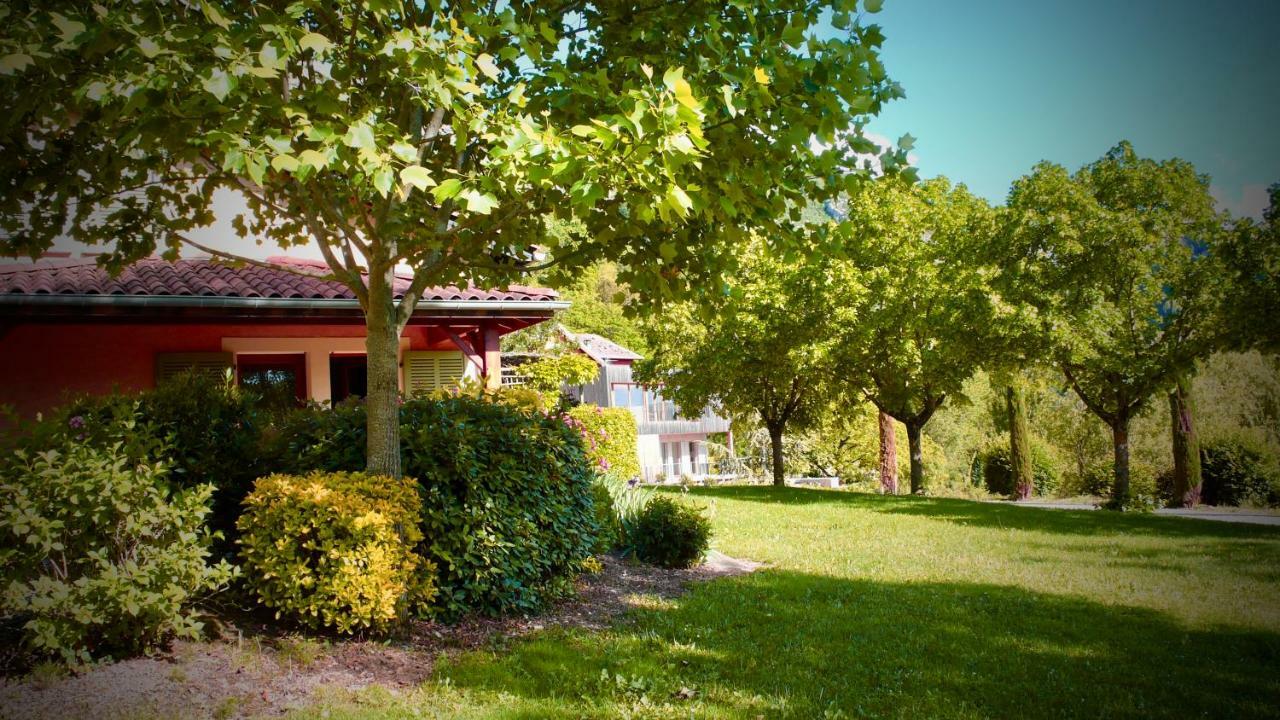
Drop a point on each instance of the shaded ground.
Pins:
(242, 675)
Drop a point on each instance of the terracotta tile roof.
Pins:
(204, 277)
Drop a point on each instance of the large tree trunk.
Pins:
(888, 455)
(1186, 446)
(1120, 444)
(917, 457)
(1019, 442)
(382, 403)
(775, 444)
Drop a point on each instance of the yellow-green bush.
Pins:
(335, 549)
(609, 435)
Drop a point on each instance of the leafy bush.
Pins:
(214, 433)
(995, 469)
(671, 534)
(507, 512)
(606, 518)
(609, 435)
(1237, 472)
(335, 549)
(101, 558)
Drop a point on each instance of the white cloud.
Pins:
(882, 141)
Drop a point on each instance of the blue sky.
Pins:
(995, 86)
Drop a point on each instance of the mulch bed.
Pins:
(251, 670)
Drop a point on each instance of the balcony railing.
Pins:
(709, 422)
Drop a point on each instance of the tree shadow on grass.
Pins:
(790, 644)
(1003, 516)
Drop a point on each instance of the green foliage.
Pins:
(101, 557)
(437, 137)
(609, 436)
(1110, 260)
(214, 433)
(335, 550)
(1251, 256)
(606, 519)
(1238, 472)
(671, 534)
(996, 473)
(548, 374)
(507, 514)
(760, 350)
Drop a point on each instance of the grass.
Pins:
(909, 607)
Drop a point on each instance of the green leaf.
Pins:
(69, 29)
(285, 163)
(447, 189)
(405, 151)
(480, 202)
(16, 62)
(383, 180)
(359, 135)
(484, 61)
(148, 47)
(906, 142)
(679, 201)
(313, 158)
(213, 15)
(873, 6)
(417, 176)
(218, 84)
(673, 76)
(647, 70)
(315, 42)
(727, 92)
(583, 130)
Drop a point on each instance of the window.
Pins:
(348, 377)
(280, 379)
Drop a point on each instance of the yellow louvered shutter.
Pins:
(210, 363)
(428, 370)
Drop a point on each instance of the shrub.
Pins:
(507, 512)
(214, 434)
(101, 558)
(609, 435)
(1237, 472)
(335, 549)
(671, 534)
(995, 470)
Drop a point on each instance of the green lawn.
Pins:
(911, 607)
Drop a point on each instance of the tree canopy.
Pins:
(925, 321)
(1117, 261)
(434, 135)
(763, 349)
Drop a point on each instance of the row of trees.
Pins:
(1120, 276)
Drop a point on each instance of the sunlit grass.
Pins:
(910, 607)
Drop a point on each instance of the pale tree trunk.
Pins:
(1120, 445)
(775, 444)
(888, 455)
(1019, 442)
(917, 456)
(1186, 446)
(382, 403)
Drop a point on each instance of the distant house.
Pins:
(68, 327)
(670, 445)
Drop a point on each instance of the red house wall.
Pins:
(43, 364)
